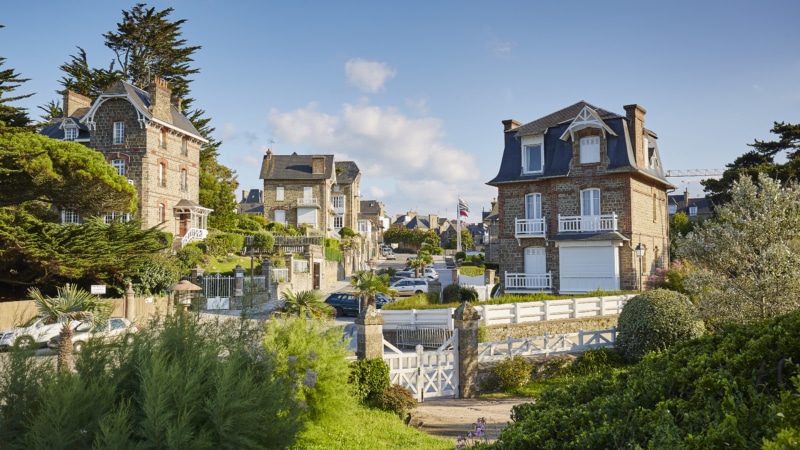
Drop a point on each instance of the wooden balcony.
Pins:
(528, 282)
(530, 228)
(582, 224)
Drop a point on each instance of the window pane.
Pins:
(533, 156)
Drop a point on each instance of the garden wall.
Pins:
(527, 329)
(143, 308)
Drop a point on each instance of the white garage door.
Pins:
(588, 268)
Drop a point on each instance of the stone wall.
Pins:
(292, 192)
(493, 333)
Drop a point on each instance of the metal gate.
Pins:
(427, 374)
(218, 291)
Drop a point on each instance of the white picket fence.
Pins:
(549, 344)
(426, 373)
(509, 313)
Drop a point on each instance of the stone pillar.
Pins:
(266, 270)
(369, 340)
(196, 272)
(467, 320)
(238, 281)
(435, 287)
(130, 305)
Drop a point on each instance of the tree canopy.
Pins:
(748, 255)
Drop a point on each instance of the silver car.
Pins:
(33, 333)
(115, 326)
(410, 286)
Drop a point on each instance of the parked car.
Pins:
(410, 286)
(430, 271)
(389, 255)
(347, 304)
(113, 327)
(412, 274)
(33, 333)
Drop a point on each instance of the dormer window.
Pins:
(532, 156)
(692, 211)
(70, 134)
(590, 149)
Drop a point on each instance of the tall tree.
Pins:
(85, 80)
(748, 254)
(12, 116)
(367, 285)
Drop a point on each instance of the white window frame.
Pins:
(338, 221)
(119, 133)
(279, 193)
(69, 215)
(529, 147)
(184, 180)
(533, 206)
(692, 211)
(308, 192)
(162, 174)
(70, 133)
(119, 164)
(162, 213)
(590, 149)
(590, 202)
(111, 217)
(338, 201)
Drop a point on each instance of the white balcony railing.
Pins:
(307, 202)
(526, 228)
(576, 224)
(528, 281)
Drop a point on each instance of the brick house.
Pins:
(311, 189)
(146, 137)
(578, 191)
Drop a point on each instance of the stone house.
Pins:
(694, 207)
(311, 190)
(578, 191)
(147, 139)
(251, 202)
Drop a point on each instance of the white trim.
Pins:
(589, 149)
(532, 142)
(587, 118)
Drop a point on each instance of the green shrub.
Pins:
(451, 293)
(223, 244)
(346, 232)
(494, 289)
(396, 399)
(597, 360)
(157, 274)
(513, 372)
(434, 298)
(461, 256)
(491, 265)
(655, 320)
(248, 223)
(332, 243)
(472, 271)
(369, 377)
(468, 294)
(191, 255)
(264, 241)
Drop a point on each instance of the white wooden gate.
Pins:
(218, 291)
(427, 374)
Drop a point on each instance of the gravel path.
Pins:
(450, 418)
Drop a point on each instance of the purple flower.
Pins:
(292, 359)
(310, 379)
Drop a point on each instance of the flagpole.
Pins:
(458, 225)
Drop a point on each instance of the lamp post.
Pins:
(639, 253)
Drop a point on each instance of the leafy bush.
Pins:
(472, 271)
(597, 360)
(369, 377)
(248, 223)
(222, 244)
(673, 278)
(396, 399)
(192, 255)
(331, 243)
(513, 372)
(264, 241)
(451, 293)
(468, 294)
(655, 320)
(461, 256)
(434, 298)
(346, 232)
(157, 275)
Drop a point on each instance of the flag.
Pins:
(463, 207)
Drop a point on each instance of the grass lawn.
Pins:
(227, 264)
(369, 428)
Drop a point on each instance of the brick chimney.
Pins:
(510, 124)
(177, 102)
(74, 101)
(635, 115)
(433, 221)
(160, 99)
(317, 165)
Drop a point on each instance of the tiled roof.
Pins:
(293, 167)
(538, 126)
(346, 172)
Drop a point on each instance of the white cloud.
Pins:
(368, 76)
(418, 105)
(387, 145)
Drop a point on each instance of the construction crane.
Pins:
(694, 173)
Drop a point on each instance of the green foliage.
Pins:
(451, 293)
(312, 357)
(468, 294)
(396, 399)
(249, 223)
(734, 388)
(333, 255)
(222, 244)
(192, 255)
(368, 377)
(278, 261)
(367, 284)
(347, 232)
(471, 271)
(157, 275)
(597, 361)
(747, 256)
(513, 372)
(305, 304)
(332, 243)
(461, 256)
(433, 298)
(673, 278)
(654, 321)
(264, 241)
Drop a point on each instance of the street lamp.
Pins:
(639, 250)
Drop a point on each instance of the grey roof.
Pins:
(346, 172)
(54, 130)
(253, 196)
(370, 207)
(558, 153)
(413, 223)
(293, 167)
(142, 99)
(602, 236)
(701, 203)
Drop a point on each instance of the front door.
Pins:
(183, 224)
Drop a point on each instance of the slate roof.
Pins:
(370, 207)
(701, 203)
(346, 172)
(293, 167)
(55, 131)
(413, 222)
(558, 153)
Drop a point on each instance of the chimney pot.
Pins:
(510, 124)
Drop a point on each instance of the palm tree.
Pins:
(422, 260)
(305, 304)
(71, 303)
(367, 284)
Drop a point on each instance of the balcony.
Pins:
(530, 228)
(308, 202)
(582, 224)
(528, 282)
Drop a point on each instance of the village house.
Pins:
(581, 202)
(147, 139)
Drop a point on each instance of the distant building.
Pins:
(252, 202)
(695, 208)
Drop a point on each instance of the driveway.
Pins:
(450, 418)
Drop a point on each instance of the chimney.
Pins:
(160, 96)
(686, 197)
(635, 114)
(74, 101)
(317, 165)
(433, 221)
(177, 102)
(510, 124)
(244, 195)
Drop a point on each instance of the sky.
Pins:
(415, 92)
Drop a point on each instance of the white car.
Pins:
(115, 326)
(410, 286)
(411, 273)
(36, 332)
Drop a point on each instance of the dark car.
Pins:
(347, 304)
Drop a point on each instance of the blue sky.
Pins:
(415, 91)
